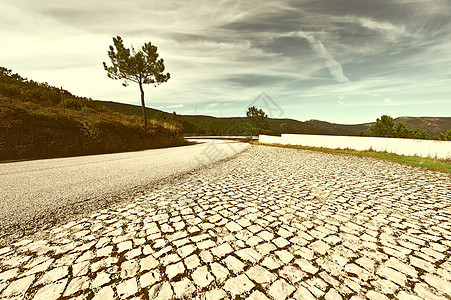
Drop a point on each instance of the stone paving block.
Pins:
(77, 284)
(266, 235)
(253, 240)
(148, 263)
(206, 256)
(149, 278)
(162, 252)
(260, 275)
(169, 259)
(192, 261)
(133, 253)
(392, 275)
(18, 287)
(106, 251)
(284, 256)
(53, 275)
(41, 267)
(206, 244)
(127, 288)
(216, 294)
(51, 291)
(129, 268)
(200, 237)
(440, 284)
(303, 293)
(219, 271)
(257, 295)
(306, 266)
(372, 295)
(175, 269)
(292, 273)
(254, 228)
(234, 264)
(358, 271)
(238, 285)
(233, 226)
(332, 294)
(88, 255)
(202, 277)
(100, 279)
(266, 248)
(104, 263)
(124, 246)
(186, 250)
(222, 250)
(161, 292)
(183, 288)
(281, 289)
(281, 242)
(249, 254)
(385, 286)
(271, 263)
(320, 247)
(424, 292)
(7, 275)
(366, 263)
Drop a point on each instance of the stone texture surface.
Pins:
(271, 223)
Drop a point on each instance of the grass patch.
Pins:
(32, 130)
(440, 165)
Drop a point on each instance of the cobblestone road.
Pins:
(271, 223)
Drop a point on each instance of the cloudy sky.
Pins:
(345, 61)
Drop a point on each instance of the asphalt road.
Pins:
(37, 194)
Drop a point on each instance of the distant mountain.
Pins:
(200, 124)
(433, 125)
(316, 127)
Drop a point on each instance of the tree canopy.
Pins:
(257, 120)
(142, 67)
(385, 127)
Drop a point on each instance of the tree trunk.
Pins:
(143, 105)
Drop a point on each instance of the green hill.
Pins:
(208, 125)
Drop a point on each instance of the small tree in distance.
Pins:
(257, 120)
(142, 67)
(383, 127)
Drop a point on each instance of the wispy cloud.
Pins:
(378, 25)
(335, 69)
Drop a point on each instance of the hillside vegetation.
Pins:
(386, 127)
(207, 125)
(41, 121)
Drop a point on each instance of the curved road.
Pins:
(36, 194)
